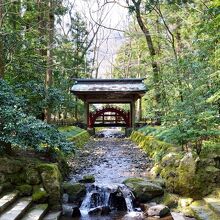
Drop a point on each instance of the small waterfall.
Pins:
(129, 197)
(100, 197)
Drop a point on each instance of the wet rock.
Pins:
(117, 201)
(75, 191)
(144, 207)
(169, 217)
(76, 212)
(134, 216)
(158, 210)
(100, 210)
(95, 200)
(105, 210)
(33, 177)
(143, 190)
(95, 211)
(87, 179)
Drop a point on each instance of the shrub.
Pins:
(18, 129)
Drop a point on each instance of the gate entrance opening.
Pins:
(109, 91)
(110, 116)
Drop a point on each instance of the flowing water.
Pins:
(111, 159)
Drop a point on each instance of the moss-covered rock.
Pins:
(188, 175)
(156, 170)
(51, 179)
(143, 190)
(32, 176)
(16, 178)
(10, 165)
(7, 186)
(88, 179)
(76, 191)
(24, 190)
(184, 173)
(170, 200)
(2, 178)
(184, 202)
(39, 194)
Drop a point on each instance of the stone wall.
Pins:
(31, 177)
(185, 173)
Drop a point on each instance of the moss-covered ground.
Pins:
(75, 134)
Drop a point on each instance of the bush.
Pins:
(17, 129)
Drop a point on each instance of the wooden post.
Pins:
(86, 114)
(132, 107)
(139, 110)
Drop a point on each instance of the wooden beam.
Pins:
(132, 106)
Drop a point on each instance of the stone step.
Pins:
(17, 210)
(213, 204)
(53, 216)
(7, 200)
(202, 211)
(37, 212)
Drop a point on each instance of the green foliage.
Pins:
(24, 37)
(25, 131)
(185, 37)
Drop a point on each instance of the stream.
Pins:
(110, 158)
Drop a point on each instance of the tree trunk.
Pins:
(2, 64)
(49, 73)
(154, 64)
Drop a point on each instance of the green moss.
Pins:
(75, 134)
(39, 195)
(16, 178)
(51, 179)
(70, 131)
(80, 139)
(132, 180)
(75, 191)
(45, 167)
(2, 178)
(154, 148)
(184, 173)
(170, 200)
(88, 179)
(143, 190)
(24, 190)
(9, 165)
(7, 186)
(32, 176)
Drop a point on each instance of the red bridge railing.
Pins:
(111, 116)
